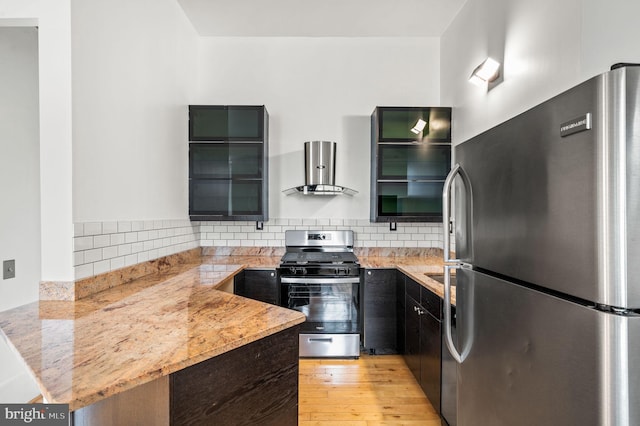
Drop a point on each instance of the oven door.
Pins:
(331, 305)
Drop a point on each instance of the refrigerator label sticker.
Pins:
(576, 125)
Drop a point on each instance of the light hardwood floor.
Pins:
(373, 390)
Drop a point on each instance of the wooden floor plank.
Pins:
(372, 390)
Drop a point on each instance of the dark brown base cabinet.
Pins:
(401, 316)
(423, 341)
(259, 285)
(256, 384)
(380, 311)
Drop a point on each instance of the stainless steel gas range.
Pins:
(320, 277)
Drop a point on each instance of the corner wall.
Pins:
(20, 189)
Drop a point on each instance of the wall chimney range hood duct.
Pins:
(320, 171)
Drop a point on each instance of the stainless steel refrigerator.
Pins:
(545, 212)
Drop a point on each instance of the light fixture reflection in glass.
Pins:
(419, 127)
(485, 73)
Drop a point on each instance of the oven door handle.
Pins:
(316, 280)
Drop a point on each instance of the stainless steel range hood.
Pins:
(320, 171)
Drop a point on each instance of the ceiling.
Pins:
(327, 18)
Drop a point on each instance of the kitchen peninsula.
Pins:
(166, 348)
(161, 341)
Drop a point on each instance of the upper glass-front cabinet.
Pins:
(226, 123)
(228, 162)
(411, 157)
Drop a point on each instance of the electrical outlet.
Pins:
(8, 269)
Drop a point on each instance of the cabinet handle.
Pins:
(368, 272)
(273, 274)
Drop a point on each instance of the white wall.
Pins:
(20, 189)
(546, 47)
(133, 71)
(54, 56)
(538, 44)
(19, 164)
(610, 34)
(319, 89)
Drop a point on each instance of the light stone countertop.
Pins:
(84, 351)
(415, 267)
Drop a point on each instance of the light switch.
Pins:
(8, 269)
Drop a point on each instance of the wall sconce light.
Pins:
(485, 73)
(419, 126)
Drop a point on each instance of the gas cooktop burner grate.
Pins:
(306, 258)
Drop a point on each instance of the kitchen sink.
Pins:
(440, 278)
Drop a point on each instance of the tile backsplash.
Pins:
(367, 234)
(101, 247)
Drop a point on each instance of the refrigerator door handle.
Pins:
(447, 314)
(450, 263)
(446, 212)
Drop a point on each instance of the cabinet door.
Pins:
(419, 201)
(260, 285)
(412, 336)
(221, 160)
(430, 358)
(226, 123)
(414, 124)
(413, 161)
(216, 197)
(380, 310)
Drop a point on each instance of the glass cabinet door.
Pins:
(224, 197)
(419, 161)
(226, 123)
(245, 122)
(414, 124)
(225, 160)
(410, 199)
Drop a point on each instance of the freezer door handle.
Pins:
(447, 314)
